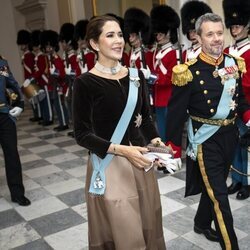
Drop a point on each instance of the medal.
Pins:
(215, 73)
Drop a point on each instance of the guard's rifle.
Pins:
(179, 47)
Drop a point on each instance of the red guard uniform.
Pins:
(86, 60)
(28, 62)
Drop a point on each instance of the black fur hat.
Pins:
(67, 34)
(49, 37)
(35, 38)
(135, 21)
(165, 19)
(236, 12)
(120, 20)
(23, 37)
(190, 12)
(80, 29)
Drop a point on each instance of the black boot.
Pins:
(243, 193)
(234, 187)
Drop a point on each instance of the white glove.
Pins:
(68, 70)
(173, 165)
(52, 69)
(16, 111)
(248, 123)
(26, 83)
(146, 72)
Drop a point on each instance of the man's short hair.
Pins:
(208, 17)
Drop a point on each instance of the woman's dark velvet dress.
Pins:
(128, 216)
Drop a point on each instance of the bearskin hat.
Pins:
(35, 38)
(190, 12)
(164, 19)
(137, 21)
(23, 37)
(67, 34)
(49, 37)
(236, 12)
(80, 29)
(120, 20)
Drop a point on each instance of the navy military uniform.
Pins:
(10, 94)
(201, 85)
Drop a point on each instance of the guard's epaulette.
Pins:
(181, 74)
(240, 62)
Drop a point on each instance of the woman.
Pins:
(128, 214)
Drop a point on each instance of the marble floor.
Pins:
(54, 169)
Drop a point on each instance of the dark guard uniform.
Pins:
(8, 135)
(238, 13)
(211, 92)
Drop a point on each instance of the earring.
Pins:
(97, 49)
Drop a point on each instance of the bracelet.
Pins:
(157, 143)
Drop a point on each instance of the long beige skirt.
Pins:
(128, 216)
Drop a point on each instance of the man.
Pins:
(237, 19)
(49, 45)
(137, 31)
(190, 12)
(69, 45)
(85, 57)
(165, 57)
(41, 76)
(11, 106)
(28, 62)
(209, 90)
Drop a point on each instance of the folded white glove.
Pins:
(52, 69)
(173, 165)
(162, 158)
(26, 83)
(248, 123)
(68, 70)
(16, 111)
(146, 72)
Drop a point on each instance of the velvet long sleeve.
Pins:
(98, 104)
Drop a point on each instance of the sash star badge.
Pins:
(138, 120)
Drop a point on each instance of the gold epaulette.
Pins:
(181, 73)
(241, 64)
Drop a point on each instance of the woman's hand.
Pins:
(133, 153)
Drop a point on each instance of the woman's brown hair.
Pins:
(95, 27)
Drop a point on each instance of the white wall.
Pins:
(8, 47)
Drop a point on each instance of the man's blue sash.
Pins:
(223, 110)
(98, 183)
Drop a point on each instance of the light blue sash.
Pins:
(98, 182)
(223, 109)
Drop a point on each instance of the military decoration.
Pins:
(232, 105)
(138, 120)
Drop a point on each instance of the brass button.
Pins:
(197, 72)
(195, 130)
(205, 91)
(208, 101)
(211, 110)
(237, 95)
(201, 82)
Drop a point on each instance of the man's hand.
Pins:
(16, 111)
(52, 69)
(26, 83)
(146, 72)
(68, 70)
